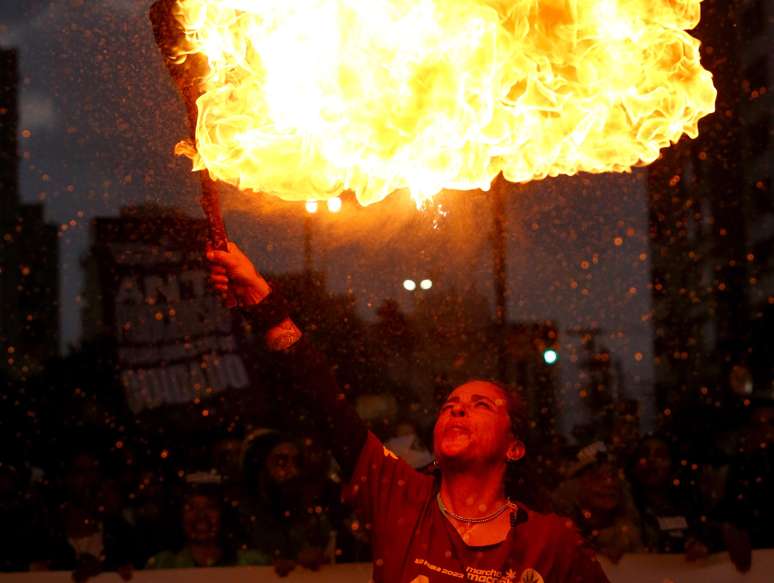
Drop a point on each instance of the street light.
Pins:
(411, 285)
(312, 206)
(334, 204)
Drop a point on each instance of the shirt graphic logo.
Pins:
(531, 576)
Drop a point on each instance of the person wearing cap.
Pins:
(457, 525)
(597, 498)
(202, 524)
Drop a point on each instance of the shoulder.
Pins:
(380, 468)
(375, 454)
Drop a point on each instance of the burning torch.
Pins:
(306, 101)
(186, 73)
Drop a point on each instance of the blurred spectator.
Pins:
(202, 524)
(153, 513)
(291, 512)
(323, 487)
(669, 509)
(747, 508)
(226, 455)
(16, 516)
(86, 532)
(597, 497)
(227, 461)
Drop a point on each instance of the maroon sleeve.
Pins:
(307, 378)
(384, 487)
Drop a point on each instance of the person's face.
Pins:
(654, 464)
(201, 519)
(473, 427)
(282, 462)
(600, 487)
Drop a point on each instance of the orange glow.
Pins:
(309, 98)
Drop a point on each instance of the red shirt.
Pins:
(414, 543)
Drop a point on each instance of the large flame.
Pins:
(306, 98)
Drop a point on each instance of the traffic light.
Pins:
(550, 356)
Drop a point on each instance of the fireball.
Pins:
(305, 99)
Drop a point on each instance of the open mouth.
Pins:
(458, 429)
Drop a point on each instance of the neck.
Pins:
(205, 554)
(473, 494)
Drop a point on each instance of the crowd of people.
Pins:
(247, 494)
(261, 497)
(258, 499)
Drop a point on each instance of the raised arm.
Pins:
(305, 371)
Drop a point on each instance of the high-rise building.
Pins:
(29, 282)
(9, 124)
(711, 221)
(755, 31)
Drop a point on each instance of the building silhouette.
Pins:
(29, 282)
(712, 222)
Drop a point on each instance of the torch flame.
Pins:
(304, 99)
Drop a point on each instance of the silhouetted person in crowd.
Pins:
(460, 520)
(202, 522)
(153, 514)
(16, 517)
(291, 511)
(596, 496)
(669, 508)
(747, 509)
(86, 532)
(227, 460)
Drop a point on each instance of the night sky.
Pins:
(100, 117)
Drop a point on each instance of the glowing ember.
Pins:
(308, 98)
